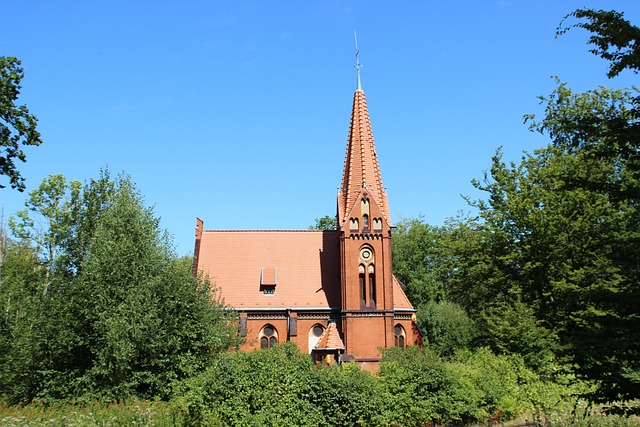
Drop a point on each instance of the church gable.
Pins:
(365, 217)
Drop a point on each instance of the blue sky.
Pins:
(238, 112)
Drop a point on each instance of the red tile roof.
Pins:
(304, 263)
(330, 339)
(400, 300)
(361, 163)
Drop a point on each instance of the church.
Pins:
(332, 293)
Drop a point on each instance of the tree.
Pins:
(46, 220)
(149, 321)
(419, 255)
(17, 125)
(562, 226)
(446, 326)
(123, 315)
(441, 263)
(615, 39)
(327, 222)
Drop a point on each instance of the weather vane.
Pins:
(358, 66)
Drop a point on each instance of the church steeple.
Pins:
(366, 277)
(361, 169)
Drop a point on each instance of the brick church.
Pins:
(333, 293)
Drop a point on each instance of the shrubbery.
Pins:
(414, 388)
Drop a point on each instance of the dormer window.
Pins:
(268, 280)
(269, 289)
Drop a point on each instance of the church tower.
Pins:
(364, 226)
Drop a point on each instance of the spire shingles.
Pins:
(361, 169)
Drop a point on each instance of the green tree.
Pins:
(420, 259)
(440, 263)
(124, 316)
(46, 220)
(613, 37)
(446, 326)
(148, 320)
(562, 227)
(327, 222)
(513, 329)
(17, 125)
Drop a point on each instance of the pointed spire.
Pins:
(361, 169)
(358, 66)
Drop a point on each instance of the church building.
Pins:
(332, 293)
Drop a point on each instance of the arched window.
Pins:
(365, 221)
(399, 336)
(363, 285)
(315, 333)
(372, 286)
(268, 337)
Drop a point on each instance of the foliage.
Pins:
(123, 316)
(422, 389)
(549, 270)
(446, 326)
(280, 387)
(501, 383)
(17, 125)
(329, 223)
(440, 263)
(45, 221)
(615, 39)
(472, 386)
(514, 330)
(419, 258)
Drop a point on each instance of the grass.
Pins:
(129, 413)
(585, 415)
(145, 413)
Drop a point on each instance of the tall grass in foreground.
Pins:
(129, 413)
(144, 413)
(584, 415)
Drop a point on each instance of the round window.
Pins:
(268, 331)
(398, 330)
(366, 254)
(318, 330)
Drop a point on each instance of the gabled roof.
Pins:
(400, 299)
(302, 264)
(330, 339)
(361, 167)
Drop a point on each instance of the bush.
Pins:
(447, 326)
(423, 388)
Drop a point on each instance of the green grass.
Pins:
(584, 415)
(145, 413)
(129, 413)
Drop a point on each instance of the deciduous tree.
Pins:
(18, 127)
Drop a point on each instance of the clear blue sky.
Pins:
(238, 112)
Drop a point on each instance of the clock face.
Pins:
(366, 254)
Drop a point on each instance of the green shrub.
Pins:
(423, 388)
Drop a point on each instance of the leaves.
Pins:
(17, 125)
(124, 316)
(615, 39)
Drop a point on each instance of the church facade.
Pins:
(332, 293)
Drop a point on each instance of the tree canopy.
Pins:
(325, 223)
(96, 304)
(18, 127)
(550, 267)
